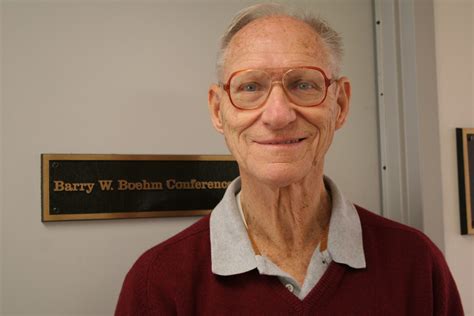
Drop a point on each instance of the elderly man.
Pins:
(284, 240)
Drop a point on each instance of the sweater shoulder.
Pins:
(405, 251)
(169, 255)
(372, 220)
(149, 286)
(389, 231)
(179, 244)
(179, 254)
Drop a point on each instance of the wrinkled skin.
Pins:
(276, 42)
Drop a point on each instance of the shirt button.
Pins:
(290, 287)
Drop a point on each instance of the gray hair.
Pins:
(329, 36)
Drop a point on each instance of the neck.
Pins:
(286, 220)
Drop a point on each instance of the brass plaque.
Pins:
(94, 186)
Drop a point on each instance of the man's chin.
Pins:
(280, 175)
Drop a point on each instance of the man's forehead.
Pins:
(276, 41)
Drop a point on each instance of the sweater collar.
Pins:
(231, 250)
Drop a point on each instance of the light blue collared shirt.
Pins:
(232, 252)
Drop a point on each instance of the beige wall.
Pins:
(107, 77)
(454, 35)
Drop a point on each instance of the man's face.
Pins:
(279, 143)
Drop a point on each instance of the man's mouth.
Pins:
(281, 141)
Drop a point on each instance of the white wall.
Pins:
(454, 35)
(129, 77)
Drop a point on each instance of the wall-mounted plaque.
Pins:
(465, 149)
(83, 187)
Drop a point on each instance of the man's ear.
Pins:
(214, 104)
(343, 100)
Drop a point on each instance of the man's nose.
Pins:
(277, 110)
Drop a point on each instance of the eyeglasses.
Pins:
(304, 86)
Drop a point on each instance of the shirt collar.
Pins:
(232, 252)
(345, 231)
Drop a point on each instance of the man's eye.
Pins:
(305, 85)
(249, 87)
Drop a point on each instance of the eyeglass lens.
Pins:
(304, 86)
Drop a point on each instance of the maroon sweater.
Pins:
(406, 274)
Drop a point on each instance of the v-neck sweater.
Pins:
(405, 274)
